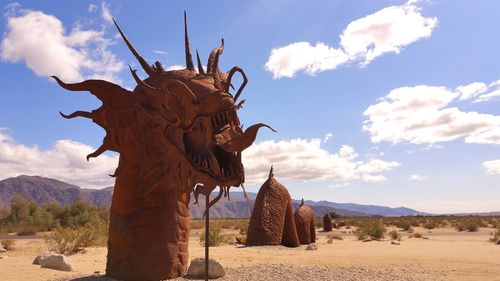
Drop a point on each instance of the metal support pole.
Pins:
(207, 233)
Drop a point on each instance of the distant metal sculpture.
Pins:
(327, 223)
(304, 220)
(177, 132)
(271, 222)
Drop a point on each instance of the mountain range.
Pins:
(45, 190)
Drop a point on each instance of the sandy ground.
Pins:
(446, 255)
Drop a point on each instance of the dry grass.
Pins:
(72, 240)
(394, 234)
(8, 245)
(416, 235)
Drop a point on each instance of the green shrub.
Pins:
(8, 244)
(215, 238)
(26, 217)
(404, 224)
(374, 230)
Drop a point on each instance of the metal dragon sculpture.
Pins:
(177, 132)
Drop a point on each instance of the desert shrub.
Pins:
(71, 240)
(414, 223)
(215, 238)
(416, 235)
(241, 238)
(459, 226)
(472, 226)
(403, 224)
(394, 234)
(334, 236)
(430, 225)
(318, 223)
(197, 224)
(8, 244)
(495, 236)
(374, 230)
(26, 217)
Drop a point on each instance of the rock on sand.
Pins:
(197, 269)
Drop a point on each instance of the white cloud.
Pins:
(305, 160)
(40, 41)
(160, 52)
(65, 161)
(416, 178)
(423, 115)
(479, 91)
(472, 90)
(92, 8)
(373, 178)
(176, 67)
(327, 137)
(106, 14)
(492, 167)
(488, 96)
(385, 31)
(339, 185)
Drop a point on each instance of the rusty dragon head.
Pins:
(176, 129)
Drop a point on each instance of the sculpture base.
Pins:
(149, 244)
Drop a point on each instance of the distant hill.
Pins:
(45, 190)
(370, 209)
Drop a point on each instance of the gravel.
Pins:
(288, 272)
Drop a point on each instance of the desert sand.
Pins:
(446, 255)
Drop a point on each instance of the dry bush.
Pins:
(71, 240)
(335, 237)
(470, 226)
(495, 236)
(403, 224)
(416, 235)
(430, 225)
(394, 234)
(8, 244)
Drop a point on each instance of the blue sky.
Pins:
(380, 102)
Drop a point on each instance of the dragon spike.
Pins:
(200, 66)
(159, 67)
(189, 58)
(216, 71)
(139, 82)
(149, 70)
(230, 76)
(85, 114)
(98, 152)
(211, 67)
